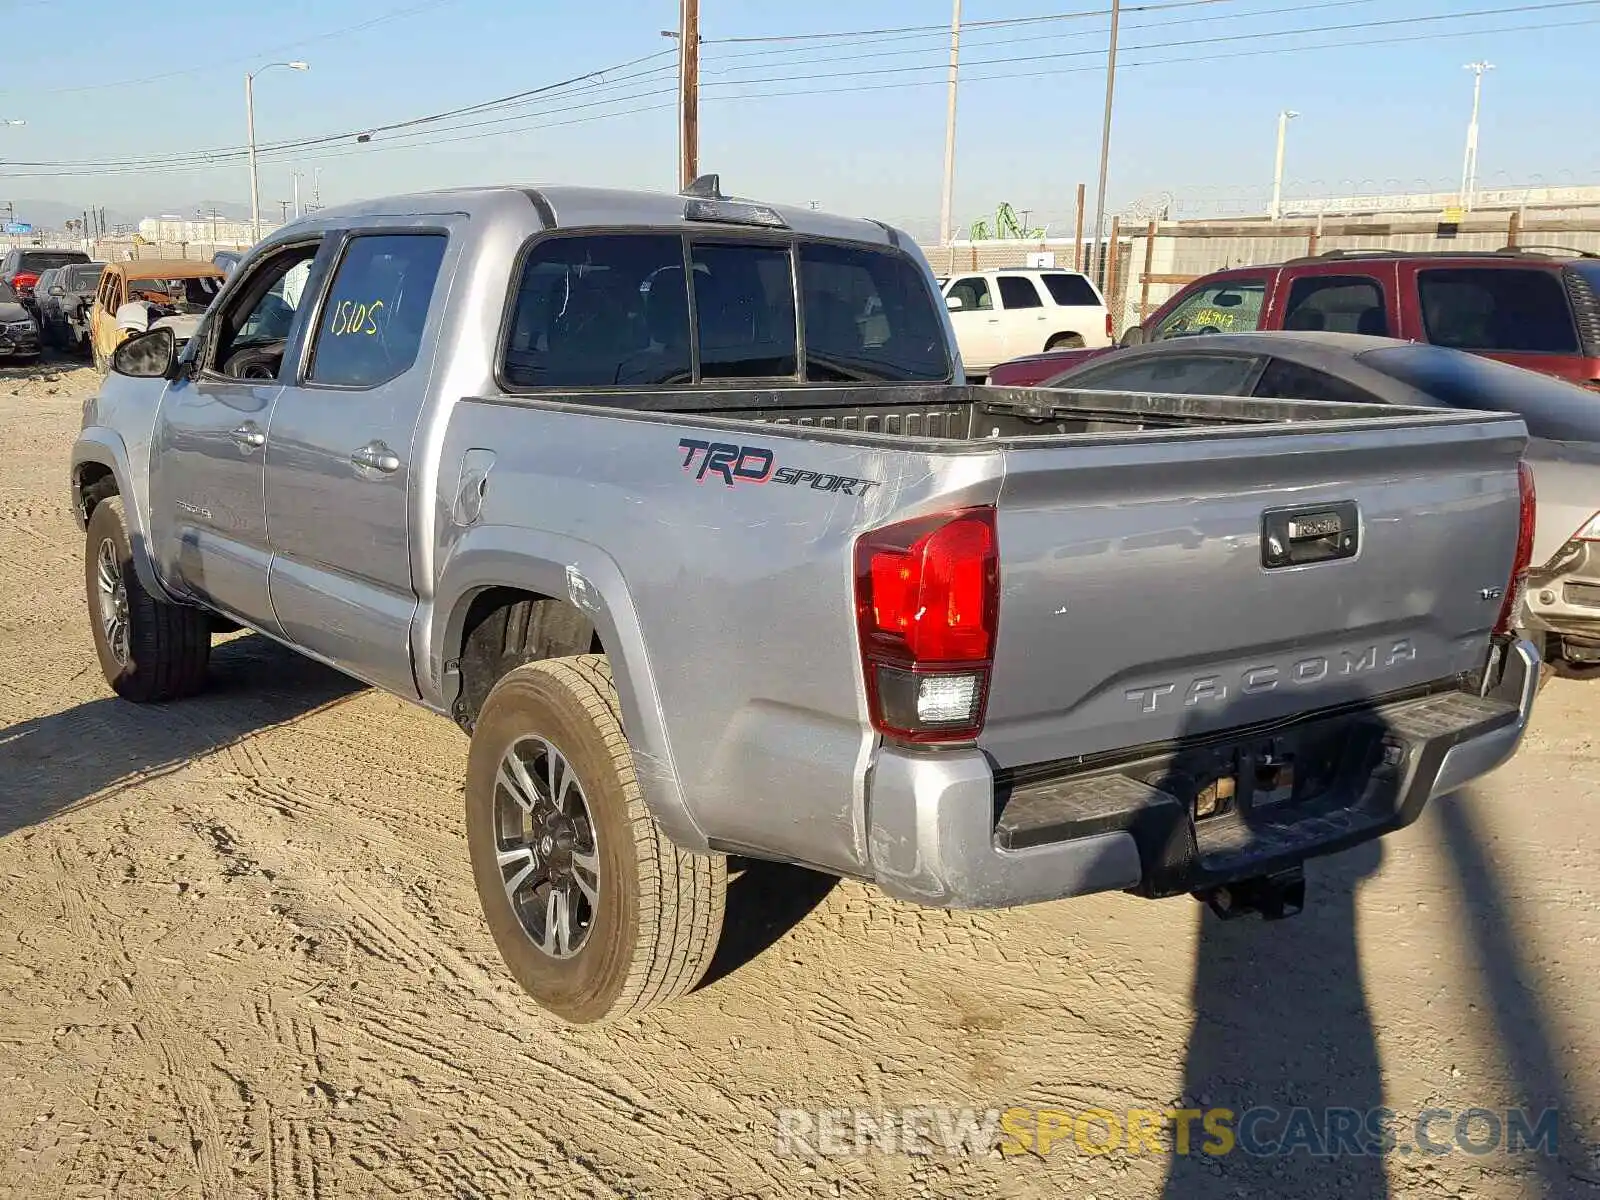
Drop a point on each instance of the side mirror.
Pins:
(1133, 335)
(150, 355)
(953, 303)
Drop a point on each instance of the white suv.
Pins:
(1001, 315)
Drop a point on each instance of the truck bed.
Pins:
(971, 412)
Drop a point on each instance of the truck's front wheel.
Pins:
(595, 912)
(149, 648)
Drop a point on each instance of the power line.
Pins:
(417, 128)
(1033, 39)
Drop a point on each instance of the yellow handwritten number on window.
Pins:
(350, 317)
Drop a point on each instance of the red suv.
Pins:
(1533, 308)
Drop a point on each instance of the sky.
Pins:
(854, 123)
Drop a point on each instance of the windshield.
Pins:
(182, 295)
(83, 279)
(1551, 408)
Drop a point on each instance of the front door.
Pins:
(207, 496)
(339, 457)
(975, 317)
(103, 333)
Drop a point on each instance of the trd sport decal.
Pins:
(756, 464)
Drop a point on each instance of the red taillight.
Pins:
(927, 603)
(24, 282)
(1527, 509)
(1110, 332)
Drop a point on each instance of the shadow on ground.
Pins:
(56, 763)
(765, 901)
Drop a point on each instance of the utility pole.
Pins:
(283, 214)
(950, 128)
(1105, 140)
(297, 195)
(1469, 166)
(688, 91)
(1284, 118)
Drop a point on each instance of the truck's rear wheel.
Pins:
(149, 648)
(595, 912)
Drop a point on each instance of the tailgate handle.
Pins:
(1293, 537)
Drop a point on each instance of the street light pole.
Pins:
(1469, 165)
(1105, 140)
(1284, 118)
(948, 196)
(250, 130)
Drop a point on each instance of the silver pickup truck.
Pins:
(681, 507)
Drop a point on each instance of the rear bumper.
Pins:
(1566, 602)
(947, 831)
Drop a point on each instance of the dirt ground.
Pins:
(240, 955)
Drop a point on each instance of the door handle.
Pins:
(375, 456)
(249, 436)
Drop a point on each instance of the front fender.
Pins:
(586, 576)
(101, 447)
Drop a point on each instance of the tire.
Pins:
(1064, 341)
(651, 929)
(160, 650)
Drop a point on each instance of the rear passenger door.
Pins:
(1023, 324)
(341, 455)
(1336, 298)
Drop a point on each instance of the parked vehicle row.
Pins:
(681, 507)
(64, 297)
(1533, 308)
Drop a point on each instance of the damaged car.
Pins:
(135, 297)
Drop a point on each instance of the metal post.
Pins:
(250, 129)
(1149, 261)
(297, 195)
(1077, 236)
(950, 128)
(1469, 165)
(1284, 118)
(1109, 258)
(688, 91)
(1105, 136)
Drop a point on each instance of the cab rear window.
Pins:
(619, 310)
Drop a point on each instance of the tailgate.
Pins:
(1137, 605)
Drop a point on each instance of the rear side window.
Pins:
(601, 311)
(1070, 291)
(1017, 291)
(371, 324)
(868, 318)
(744, 311)
(1285, 380)
(1475, 308)
(1337, 304)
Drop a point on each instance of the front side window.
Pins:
(1233, 306)
(370, 329)
(252, 331)
(744, 311)
(1337, 304)
(1017, 291)
(971, 295)
(868, 317)
(1496, 309)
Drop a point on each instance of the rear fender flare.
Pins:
(586, 577)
